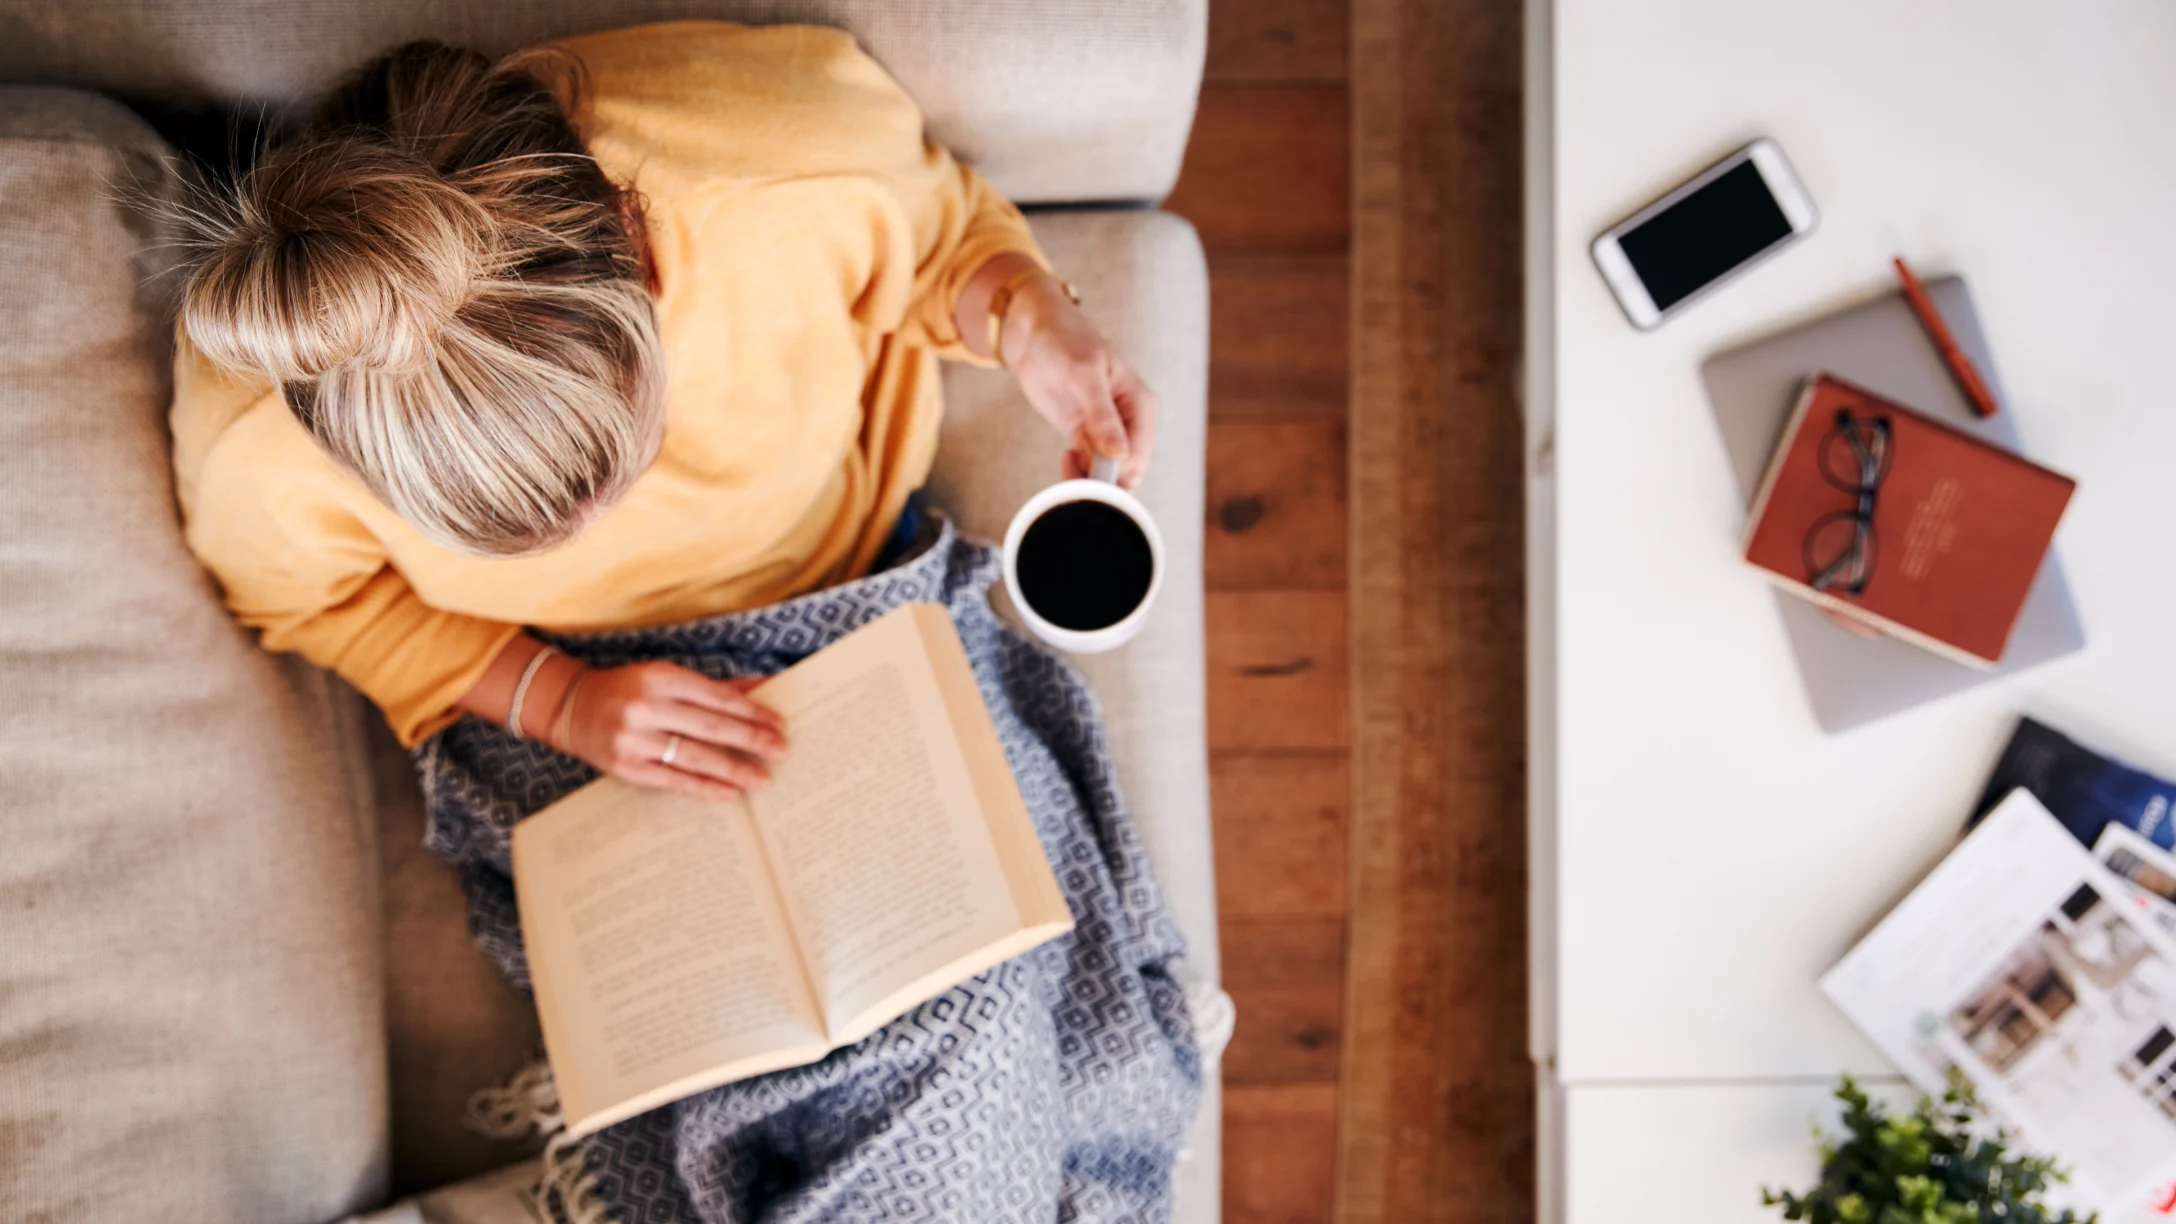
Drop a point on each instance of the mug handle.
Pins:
(1104, 468)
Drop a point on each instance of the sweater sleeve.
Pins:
(943, 220)
(963, 224)
(299, 567)
(415, 661)
(707, 106)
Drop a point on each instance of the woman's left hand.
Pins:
(1078, 382)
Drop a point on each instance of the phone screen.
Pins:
(1705, 235)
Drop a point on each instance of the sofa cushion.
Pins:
(190, 983)
(1141, 274)
(1056, 100)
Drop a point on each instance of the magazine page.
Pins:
(2023, 963)
(2150, 870)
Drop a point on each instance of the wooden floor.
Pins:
(1396, 1091)
(1267, 185)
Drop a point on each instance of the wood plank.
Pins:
(1277, 42)
(1279, 1153)
(1276, 505)
(1286, 978)
(1266, 168)
(1276, 669)
(1435, 1085)
(1280, 834)
(1277, 335)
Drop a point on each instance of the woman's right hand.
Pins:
(722, 742)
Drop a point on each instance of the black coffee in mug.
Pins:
(1084, 565)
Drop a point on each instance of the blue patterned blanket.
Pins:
(1057, 1086)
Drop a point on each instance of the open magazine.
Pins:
(2049, 981)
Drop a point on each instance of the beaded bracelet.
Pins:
(521, 688)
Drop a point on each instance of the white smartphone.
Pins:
(1725, 219)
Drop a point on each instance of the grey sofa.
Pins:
(232, 986)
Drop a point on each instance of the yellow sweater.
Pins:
(810, 246)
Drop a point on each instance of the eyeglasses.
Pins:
(1839, 548)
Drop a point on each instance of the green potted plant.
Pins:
(1935, 1165)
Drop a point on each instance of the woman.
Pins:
(542, 392)
(670, 355)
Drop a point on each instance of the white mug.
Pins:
(1100, 486)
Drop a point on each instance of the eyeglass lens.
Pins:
(1839, 548)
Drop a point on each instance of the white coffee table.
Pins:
(1701, 850)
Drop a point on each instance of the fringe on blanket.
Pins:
(529, 1105)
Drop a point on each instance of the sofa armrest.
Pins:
(1143, 280)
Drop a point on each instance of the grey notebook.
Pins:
(1853, 680)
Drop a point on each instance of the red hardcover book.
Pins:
(1903, 523)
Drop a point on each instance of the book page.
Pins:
(659, 949)
(873, 826)
(1012, 830)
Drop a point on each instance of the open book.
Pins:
(677, 944)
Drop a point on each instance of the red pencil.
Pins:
(1968, 379)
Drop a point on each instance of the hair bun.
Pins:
(336, 253)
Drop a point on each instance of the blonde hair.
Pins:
(452, 294)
